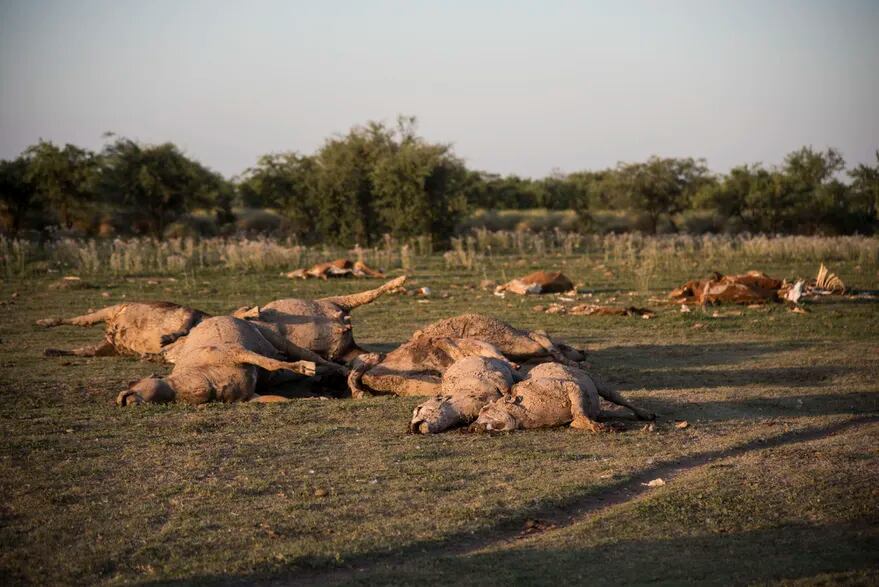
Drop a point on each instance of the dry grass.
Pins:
(311, 491)
(473, 252)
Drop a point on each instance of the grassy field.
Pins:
(774, 480)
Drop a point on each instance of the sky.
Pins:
(517, 87)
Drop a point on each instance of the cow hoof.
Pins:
(589, 425)
(419, 427)
(128, 398)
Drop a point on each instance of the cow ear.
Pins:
(132, 383)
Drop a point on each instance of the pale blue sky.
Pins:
(518, 87)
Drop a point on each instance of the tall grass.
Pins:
(644, 256)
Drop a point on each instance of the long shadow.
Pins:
(758, 408)
(562, 513)
(671, 356)
(684, 366)
(789, 552)
(698, 378)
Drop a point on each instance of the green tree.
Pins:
(770, 203)
(729, 195)
(156, 182)
(596, 189)
(419, 188)
(62, 177)
(808, 169)
(865, 189)
(343, 185)
(16, 193)
(814, 191)
(510, 192)
(562, 192)
(660, 187)
(283, 181)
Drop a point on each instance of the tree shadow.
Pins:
(691, 366)
(700, 378)
(762, 408)
(772, 554)
(462, 555)
(678, 356)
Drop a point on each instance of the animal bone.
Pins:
(829, 281)
(795, 292)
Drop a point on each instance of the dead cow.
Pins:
(551, 395)
(539, 282)
(321, 326)
(751, 287)
(222, 359)
(145, 329)
(468, 384)
(515, 344)
(337, 268)
(416, 367)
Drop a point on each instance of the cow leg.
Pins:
(91, 319)
(102, 349)
(294, 351)
(585, 407)
(250, 358)
(173, 337)
(157, 395)
(352, 301)
(353, 354)
(359, 366)
(613, 396)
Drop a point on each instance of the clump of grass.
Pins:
(464, 254)
(15, 255)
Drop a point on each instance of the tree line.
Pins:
(383, 179)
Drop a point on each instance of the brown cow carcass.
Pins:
(144, 329)
(552, 395)
(321, 326)
(753, 287)
(336, 268)
(468, 384)
(416, 367)
(539, 282)
(222, 359)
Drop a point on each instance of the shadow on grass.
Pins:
(683, 366)
(788, 552)
(454, 555)
(676, 356)
(774, 377)
(789, 406)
